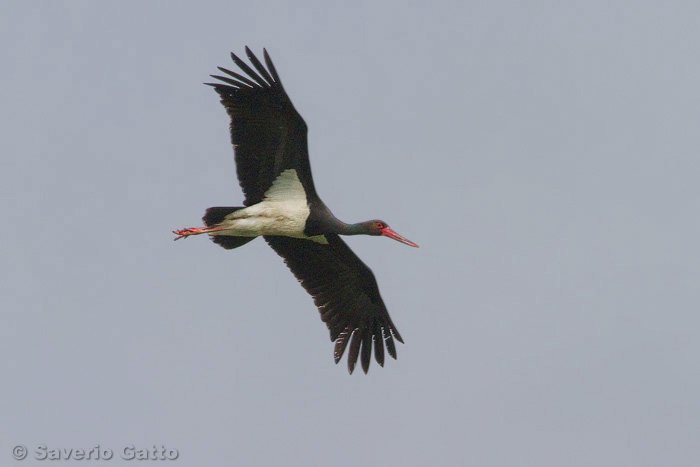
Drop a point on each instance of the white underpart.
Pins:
(283, 211)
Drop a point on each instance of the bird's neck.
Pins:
(323, 221)
(351, 229)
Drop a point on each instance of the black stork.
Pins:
(281, 204)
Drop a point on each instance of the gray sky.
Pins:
(544, 155)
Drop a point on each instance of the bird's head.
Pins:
(377, 227)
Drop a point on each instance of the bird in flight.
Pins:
(282, 206)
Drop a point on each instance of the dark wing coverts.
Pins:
(346, 294)
(268, 134)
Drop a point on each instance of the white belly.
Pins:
(267, 218)
(283, 212)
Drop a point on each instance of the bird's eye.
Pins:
(379, 225)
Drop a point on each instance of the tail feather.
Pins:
(217, 215)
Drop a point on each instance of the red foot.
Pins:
(195, 231)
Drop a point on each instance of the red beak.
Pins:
(387, 232)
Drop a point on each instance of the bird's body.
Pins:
(283, 211)
(269, 139)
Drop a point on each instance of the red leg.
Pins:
(184, 233)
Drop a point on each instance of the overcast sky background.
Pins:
(544, 155)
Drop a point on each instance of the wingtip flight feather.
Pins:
(248, 70)
(241, 78)
(361, 343)
(389, 341)
(341, 343)
(259, 66)
(229, 81)
(366, 355)
(271, 67)
(378, 349)
(354, 350)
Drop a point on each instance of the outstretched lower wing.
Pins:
(346, 294)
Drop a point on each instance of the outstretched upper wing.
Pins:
(268, 134)
(346, 294)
